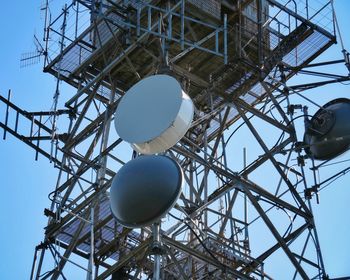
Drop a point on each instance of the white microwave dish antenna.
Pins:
(154, 114)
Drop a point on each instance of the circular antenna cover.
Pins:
(145, 189)
(328, 134)
(154, 114)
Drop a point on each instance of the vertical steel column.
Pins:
(225, 40)
(99, 180)
(260, 37)
(58, 80)
(46, 31)
(170, 21)
(34, 263)
(40, 263)
(182, 17)
(149, 18)
(246, 233)
(313, 228)
(205, 180)
(138, 24)
(156, 248)
(91, 266)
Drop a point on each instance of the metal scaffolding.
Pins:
(243, 204)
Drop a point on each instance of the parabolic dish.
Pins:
(329, 132)
(145, 189)
(154, 114)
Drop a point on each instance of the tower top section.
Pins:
(219, 51)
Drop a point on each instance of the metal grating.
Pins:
(107, 233)
(207, 8)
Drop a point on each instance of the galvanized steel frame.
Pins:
(78, 198)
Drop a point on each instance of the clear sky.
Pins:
(26, 183)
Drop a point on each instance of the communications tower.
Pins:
(250, 166)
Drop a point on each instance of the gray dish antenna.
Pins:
(145, 189)
(328, 134)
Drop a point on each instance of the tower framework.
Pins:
(235, 217)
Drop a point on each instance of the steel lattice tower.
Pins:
(246, 203)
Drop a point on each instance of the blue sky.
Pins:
(26, 183)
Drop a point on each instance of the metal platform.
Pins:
(220, 59)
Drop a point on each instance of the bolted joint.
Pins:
(310, 191)
(157, 248)
(298, 146)
(292, 107)
(49, 213)
(42, 245)
(301, 161)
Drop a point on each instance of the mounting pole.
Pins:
(260, 37)
(246, 234)
(91, 267)
(54, 139)
(156, 248)
(344, 51)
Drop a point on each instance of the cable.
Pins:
(80, 11)
(272, 106)
(336, 178)
(280, 139)
(298, 117)
(290, 227)
(223, 266)
(337, 26)
(229, 138)
(334, 163)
